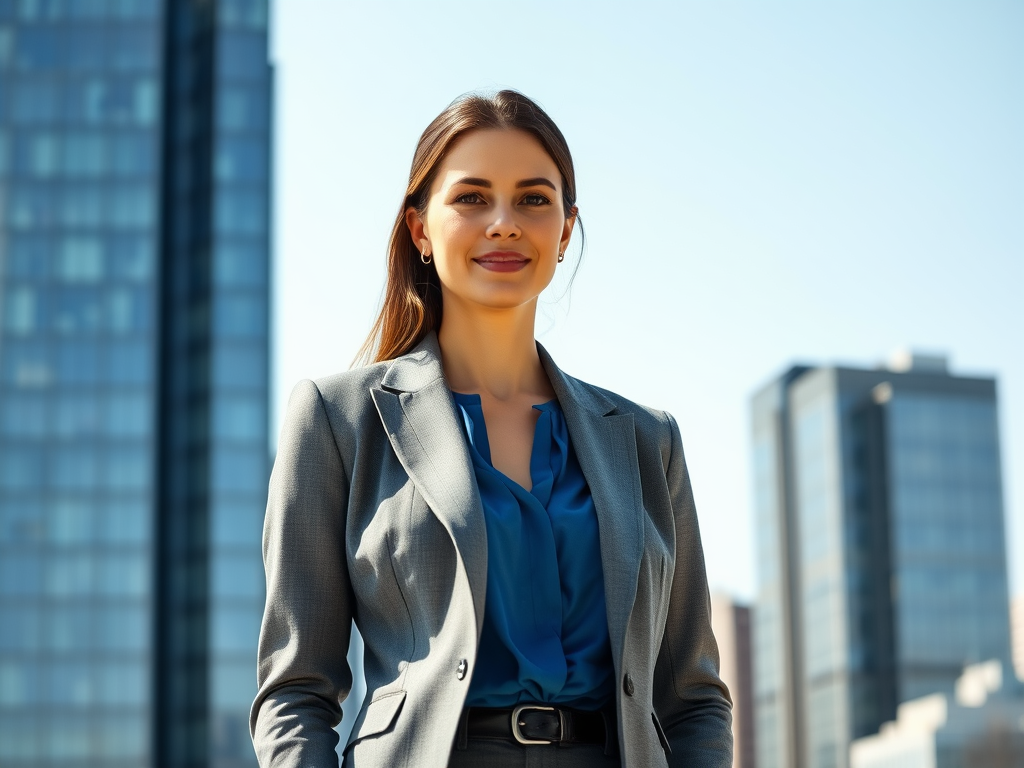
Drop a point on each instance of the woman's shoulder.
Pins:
(653, 422)
(341, 394)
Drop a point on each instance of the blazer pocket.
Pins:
(377, 717)
(661, 734)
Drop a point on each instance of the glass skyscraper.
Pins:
(134, 369)
(881, 549)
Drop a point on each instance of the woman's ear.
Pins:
(417, 230)
(567, 227)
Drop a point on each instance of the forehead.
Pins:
(497, 155)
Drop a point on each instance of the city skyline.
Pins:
(761, 185)
(881, 549)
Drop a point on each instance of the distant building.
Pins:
(731, 624)
(1017, 634)
(135, 144)
(881, 549)
(980, 726)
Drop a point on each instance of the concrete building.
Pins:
(731, 624)
(134, 374)
(881, 549)
(981, 725)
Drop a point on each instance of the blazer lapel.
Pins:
(417, 410)
(605, 444)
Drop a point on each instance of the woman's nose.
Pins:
(503, 225)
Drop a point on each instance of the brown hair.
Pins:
(412, 294)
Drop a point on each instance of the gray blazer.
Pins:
(374, 516)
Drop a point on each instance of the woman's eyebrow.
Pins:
(540, 181)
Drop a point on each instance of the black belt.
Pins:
(539, 724)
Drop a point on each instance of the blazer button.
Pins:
(627, 685)
(461, 671)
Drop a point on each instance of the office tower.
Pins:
(730, 622)
(134, 268)
(881, 550)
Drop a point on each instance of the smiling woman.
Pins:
(519, 549)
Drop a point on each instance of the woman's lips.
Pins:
(502, 261)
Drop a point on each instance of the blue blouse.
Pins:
(545, 630)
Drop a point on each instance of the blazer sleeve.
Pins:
(690, 698)
(302, 672)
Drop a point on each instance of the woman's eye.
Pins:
(469, 197)
(536, 200)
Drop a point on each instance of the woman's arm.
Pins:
(689, 697)
(303, 673)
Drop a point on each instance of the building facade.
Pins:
(881, 549)
(980, 725)
(730, 621)
(134, 374)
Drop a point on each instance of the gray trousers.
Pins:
(505, 754)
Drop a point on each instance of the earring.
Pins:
(426, 258)
(561, 256)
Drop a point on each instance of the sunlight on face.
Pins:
(494, 222)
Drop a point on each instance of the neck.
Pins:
(491, 351)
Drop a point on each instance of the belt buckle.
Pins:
(518, 734)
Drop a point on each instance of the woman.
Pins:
(519, 549)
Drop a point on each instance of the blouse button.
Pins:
(461, 671)
(627, 685)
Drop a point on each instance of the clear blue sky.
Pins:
(761, 183)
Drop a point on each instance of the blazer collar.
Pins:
(418, 411)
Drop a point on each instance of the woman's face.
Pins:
(494, 221)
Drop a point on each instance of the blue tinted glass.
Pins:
(135, 48)
(70, 574)
(75, 310)
(127, 469)
(238, 522)
(128, 414)
(120, 574)
(81, 205)
(71, 520)
(241, 212)
(20, 627)
(122, 627)
(79, 259)
(131, 206)
(243, 13)
(238, 575)
(20, 573)
(31, 206)
(240, 263)
(23, 415)
(239, 469)
(123, 521)
(241, 159)
(38, 47)
(35, 101)
(78, 362)
(243, 108)
(21, 519)
(76, 414)
(74, 468)
(240, 315)
(128, 310)
(27, 364)
(241, 55)
(28, 255)
(239, 417)
(22, 467)
(235, 630)
(23, 309)
(121, 683)
(128, 363)
(18, 685)
(85, 154)
(240, 366)
(131, 256)
(37, 154)
(87, 48)
(135, 154)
